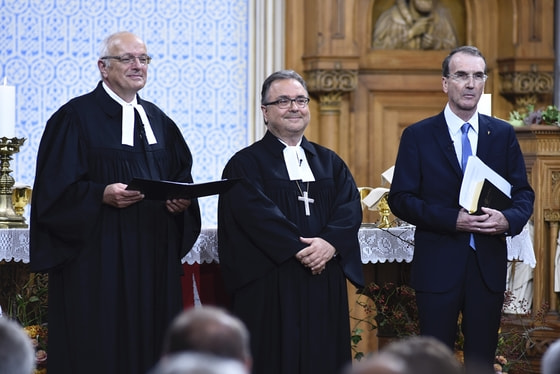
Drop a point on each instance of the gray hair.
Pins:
(198, 363)
(107, 43)
(468, 49)
(209, 329)
(280, 75)
(17, 355)
(550, 362)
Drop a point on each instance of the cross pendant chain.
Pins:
(305, 199)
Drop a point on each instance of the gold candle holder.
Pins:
(366, 214)
(8, 217)
(384, 212)
(21, 196)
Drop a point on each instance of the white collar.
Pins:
(455, 123)
(128, 118)
(296, 163)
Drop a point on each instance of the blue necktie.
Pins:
(466, 152)
(465, 145)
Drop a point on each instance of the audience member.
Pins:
(378, 363)
(550, 362)
(17, 355)
(198, 363)
(412, 355)
(425, 355)
(210, 330)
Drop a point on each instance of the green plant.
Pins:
(392, 308)
(551, 115)
(29, 308)
(515, 335)
(29, 305)
(528, 116)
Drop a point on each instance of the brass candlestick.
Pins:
(8, 217)
(384, 212)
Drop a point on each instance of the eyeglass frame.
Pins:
(305, 102)
(130, 57)
(461, 76)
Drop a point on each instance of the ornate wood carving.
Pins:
(330, 102)
(329, 86)
(523, 88)
(552, 215)
(331, 80)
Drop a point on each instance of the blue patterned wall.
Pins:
(198, 75)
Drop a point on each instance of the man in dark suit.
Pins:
(459, 264)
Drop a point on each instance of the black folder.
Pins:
(166, 190)
(491, 196)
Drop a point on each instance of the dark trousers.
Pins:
(479, 310)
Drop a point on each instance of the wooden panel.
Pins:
(379, 128)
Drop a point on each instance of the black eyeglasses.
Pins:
(285, 102)
(130, 59)
(461, 76)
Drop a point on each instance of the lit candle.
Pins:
(7, 110)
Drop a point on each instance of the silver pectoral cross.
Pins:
(306, 200)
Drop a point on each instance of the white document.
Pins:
(373, 198)
(476, 172)
(387, 176)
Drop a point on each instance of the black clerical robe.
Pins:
(299, 322)
(114, 274)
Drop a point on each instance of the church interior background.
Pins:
(199, 74)
(210, 58)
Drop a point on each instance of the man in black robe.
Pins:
(113, 258)
(288, 241)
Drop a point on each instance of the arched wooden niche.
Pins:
(452, 12)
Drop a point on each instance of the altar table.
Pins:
(376, 245)
(202, 283)
(14, 245)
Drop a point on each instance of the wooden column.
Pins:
(330, 87)
(526, 52)
(541, 148)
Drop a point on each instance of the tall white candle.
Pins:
(485, 104)
(7, 110)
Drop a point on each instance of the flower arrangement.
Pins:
(515, 335)
(391, 309)
(39, 337)
(548, 116)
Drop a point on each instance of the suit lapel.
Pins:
(443, 139)
(484, 137)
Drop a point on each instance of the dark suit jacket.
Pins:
(425, 192)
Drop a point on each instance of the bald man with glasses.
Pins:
(113, 258)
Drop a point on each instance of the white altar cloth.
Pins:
(14, 245)
(376, 245)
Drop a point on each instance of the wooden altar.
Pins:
(541, 148)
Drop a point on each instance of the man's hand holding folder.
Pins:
(167, 190)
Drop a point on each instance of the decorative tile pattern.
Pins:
(198, 76)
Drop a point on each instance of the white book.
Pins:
(374, 197)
